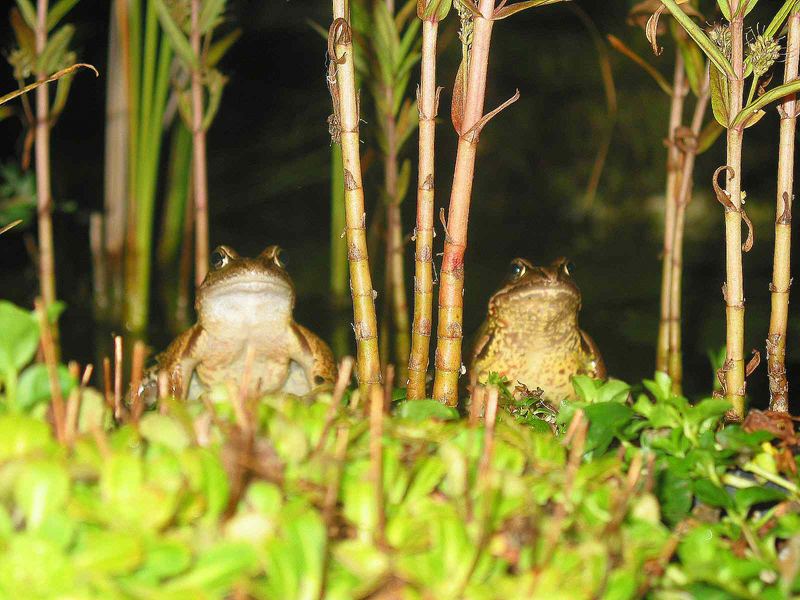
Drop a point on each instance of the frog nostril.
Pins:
(319, 380)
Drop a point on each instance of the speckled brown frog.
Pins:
(531, 333)
(244, 306)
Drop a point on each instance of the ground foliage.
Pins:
(624, 493)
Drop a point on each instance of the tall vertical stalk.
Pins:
(682, 199)
(423, 233)
(44, 201)
(670, 203)
(338, 267)
(734, 285)
(116, 156)
(781, 276)
(149, 77)
(451, 288)
(200, 180)
(395, 271)
(346, 116)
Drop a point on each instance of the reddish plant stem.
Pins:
(451, 288)
(44, 200)
(200, 180)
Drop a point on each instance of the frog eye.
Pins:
(569, 267)
(516, 270)
(280, 258)
(219, 258)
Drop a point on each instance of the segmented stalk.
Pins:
(451, 288)
(345, 119)
(683, 197)
(670, 202)
(734, 286)
(781, 276)
(200, 180)
(423, 233)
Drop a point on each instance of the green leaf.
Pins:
(710, 493)
(21, 435)
(161, 429)
(34, 385)
(107, 552)
(41, 490)
(28, 12)
(54, 53)
(724, 6)
(176, 37)
(222, 45)
(674, 493)
(424, 410)
(210, 14)
(585, 388)
(708, 135)
(216, 569)
(433, 10)
(746, 497)
(58, 11)
(606, 419)
(512, 9)
(719, 97)
(693, 62)
(19, 337)
(698, 35)
(750, 112)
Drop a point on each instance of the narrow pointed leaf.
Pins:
(176, 37)
(776, 93)
(709, 134)
(58, 12)
(623, 49)
(698, 35)
(511, 9)
(28, 12)
(54, 77)
(719, 97)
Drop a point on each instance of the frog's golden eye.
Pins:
(569, 267)
(516, 270)
(280, 258)
(219, 258)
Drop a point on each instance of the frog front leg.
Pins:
(180, 360)
(312, 355)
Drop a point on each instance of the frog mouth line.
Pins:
(251, 286)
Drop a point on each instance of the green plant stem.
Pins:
(451, 288)
(200, 176)
(365, 322)
(177, 191)
(734, 288)
(781, 272)
(682, 200)
(44, 200)
(670, 203)
(423, 233)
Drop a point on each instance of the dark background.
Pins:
(269, 166)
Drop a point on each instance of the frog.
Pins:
(246, 333)
(531, 333)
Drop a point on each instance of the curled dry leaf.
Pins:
(753, 363)
(748, 243)
(651, 30)
(722, 196)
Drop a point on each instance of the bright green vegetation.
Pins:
(643, 494)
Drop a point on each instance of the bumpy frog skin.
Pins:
(245, 305)
(531, 332)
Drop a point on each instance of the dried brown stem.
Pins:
(137, 369)
(345, 126)
(342, 381)
(200, 176)
(451, 287)
(670, 203)
(781, 274)
(428, 104)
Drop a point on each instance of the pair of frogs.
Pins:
(245, 324)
